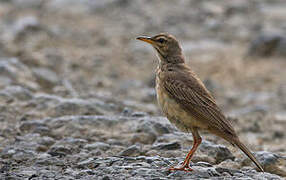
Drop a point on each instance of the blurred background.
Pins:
(80, 57)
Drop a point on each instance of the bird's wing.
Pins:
(192, 95)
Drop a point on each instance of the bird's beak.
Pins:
(146, 39)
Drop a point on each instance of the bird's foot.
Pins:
(185, 167)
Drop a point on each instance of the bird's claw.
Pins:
(185, 168)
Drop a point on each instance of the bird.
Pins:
(185, 101)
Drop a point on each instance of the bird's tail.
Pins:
(248, 153)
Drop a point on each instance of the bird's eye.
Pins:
(161, 40)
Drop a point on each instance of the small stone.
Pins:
(114, 142)
(130, 151)
(5, 81)
(219, 152)
(25, 23)
(28, 126)
(126, 111)
(280, 117)
(18, 92)
(98, 145)
(161, 128)
(203, 164)
(18, 72)
(44, 156)
(29, 174)
(43, 131)
(23, 155)
(138, 114)
(7, 152)
(74, 141)
(47, 141)
(77, 107)
(266, 45)
(59, 150)
(227, 170)
(51, 161)
(144, 138)
(106, 178)
(86, 163)
(167, 146)
(46, 77)
(42, 148)
(5, 98)
(270, 162)
(229, 164)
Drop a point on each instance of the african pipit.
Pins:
(184, 99)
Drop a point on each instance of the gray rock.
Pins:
(51, 161)
(219, 152)
(270, 162)
(158, 126)
(144, 138)
(25, 24)
(266, 45)
(18, 92)
(227, 170)
(106, 178)
(29, 126)
(5, 81)
(97, 145)
(126, 111)
(46, 77)
(73, 141)
(86, 163)
(17, 72)
(47, 141)
(138, 114)
(8, 152)
(29, 173)
(59, 150)
(78, 107)
(133, 150)
(167, 146)
(280, 116)
(23, 155)
(5, 98)
(161, 128)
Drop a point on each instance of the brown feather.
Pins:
(188, 91)
(241, 146)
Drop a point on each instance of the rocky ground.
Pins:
(77, 98)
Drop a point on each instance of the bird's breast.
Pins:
(172, 110)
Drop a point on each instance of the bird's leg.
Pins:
(186, 163)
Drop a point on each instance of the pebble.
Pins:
(167, 146)
(266, 45)
(219, 152)
(130, 151)
(97, 145)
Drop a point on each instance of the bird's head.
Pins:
(166, 45)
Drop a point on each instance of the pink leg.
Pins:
(186, 163)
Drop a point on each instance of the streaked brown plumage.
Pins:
(185, 100)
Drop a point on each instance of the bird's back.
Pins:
(178, 85)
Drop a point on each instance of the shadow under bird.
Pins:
(184, 99)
